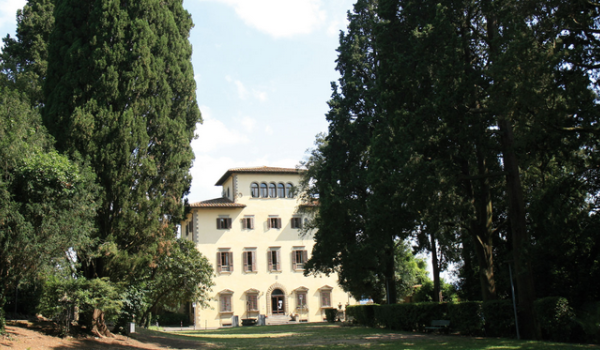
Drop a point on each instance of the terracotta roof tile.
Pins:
(217, 203)
(257, 170)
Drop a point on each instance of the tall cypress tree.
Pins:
(120, 92)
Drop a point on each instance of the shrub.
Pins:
(331, 314)
(467, 317)
(363, 314)
(173, 319)
(2, 321)
(499, 318)
(556, 318)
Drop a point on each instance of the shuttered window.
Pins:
(252, 302)
(225, 303)
(274, 223)
(223, 223)
(299, 258)
(248, 223)
(224, 262)
(325, 298)
(249, 261)
(296, 223)
(273, 260)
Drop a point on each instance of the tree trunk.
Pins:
(99, 326)
(436, 268)
(517, 216)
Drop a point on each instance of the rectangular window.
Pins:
(299, 258)
(274, 222)
(301, 300)
(325, 298)
(248, 223)
(225, 302)
(273, 259)
(249, 261)
(252, 302)
(296, 222)
(224, 261)
(223, 223)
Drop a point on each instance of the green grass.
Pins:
(333, 336)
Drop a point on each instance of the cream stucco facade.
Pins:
(252, 237)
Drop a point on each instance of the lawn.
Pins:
(335, 336)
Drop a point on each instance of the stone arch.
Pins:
(270, 291)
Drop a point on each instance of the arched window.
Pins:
(280, 190)
(263, 190)
(272, 190)
(254, 190)
(289, 190)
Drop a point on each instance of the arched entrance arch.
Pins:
(277, 300)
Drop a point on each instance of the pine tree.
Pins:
(120, 92)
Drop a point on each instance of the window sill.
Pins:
(226, 312)
(251, 272)
(224, 272)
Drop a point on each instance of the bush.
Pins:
(587, 322)
(467, 317)
(363, 314)
(331, 314)
(2, 321)
(172, 319)
(556, 318)
(499, 318)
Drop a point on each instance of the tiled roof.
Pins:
(257, 170)
(217, 203)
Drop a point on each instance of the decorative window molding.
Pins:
(252, 301)
(299, 258)
(325, 292)
(225, 301)
(301, 299)
(224, 262)
(223, 223)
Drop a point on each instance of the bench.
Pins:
(439, 325)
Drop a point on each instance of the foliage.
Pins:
(331, 314)
(499, 318)
(62, 297)
(426, 291)
(47, 202)
(556, 318)
(363, 314)
(172, 319)
(466, 318)
(119, 90)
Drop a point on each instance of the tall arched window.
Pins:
(289, 190)
(280, 190)
(272, 190)
(254, 190)
(263, 190)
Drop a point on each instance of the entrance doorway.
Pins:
(277, 302)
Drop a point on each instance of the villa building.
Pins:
(252, 236)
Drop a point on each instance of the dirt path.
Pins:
(30, 336)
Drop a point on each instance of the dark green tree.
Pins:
(47, 202)
(120, 92)
(25, 58)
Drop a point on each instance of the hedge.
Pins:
(493, 318)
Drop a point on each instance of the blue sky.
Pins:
(263, 70)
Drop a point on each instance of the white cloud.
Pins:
(248, 123)
(269, 130)
(279, 18)
(8, 11)
(259, 95)
(213, 134)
